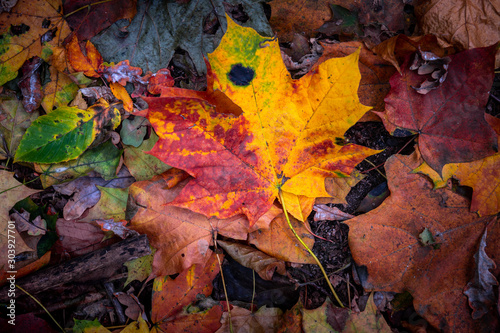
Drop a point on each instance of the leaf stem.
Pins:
(88, 7)
(308, 249)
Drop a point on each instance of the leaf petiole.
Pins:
(308, 249)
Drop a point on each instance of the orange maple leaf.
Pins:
(287, 136)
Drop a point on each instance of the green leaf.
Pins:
(133, 131)
(59, 136)
(13, 123)
(141, 165)
(103, 159)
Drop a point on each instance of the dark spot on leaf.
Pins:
(58, 136)
(322, 148)
(182, 255)
(46, 23)
(16, 30)
(56, 121)
(80, 115)
(240, 75)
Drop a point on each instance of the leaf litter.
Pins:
(280, 289)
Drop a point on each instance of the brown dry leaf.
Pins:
(386, 240)
(77, 238)
(279, 241)
(182, 237)
(252, 258)
(265, 320)
(467, 23)
(34, 228)
(30, 84)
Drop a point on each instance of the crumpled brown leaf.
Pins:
(30, 84)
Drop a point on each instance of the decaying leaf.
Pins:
(242, 320)
(240, 162)
(434, 275)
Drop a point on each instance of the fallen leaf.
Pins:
(77, 238)
(449, 117)
(170, 296)
(96, 16)
(103, 159)
(121, 93)
(262, 150)
(87, 326)
(480, 289)
(370, 320)
(182, 237)
(30, 84)
(158, 29)
(24, 34)
(8, 235)
(265, 320)
(434, 275)
(159, 81)
(65, 133)
(14, 121)
(280, 242)
(87, 63)
(469, 24)
(292, 320)
(35, 227)
(250, 257)
(482, 175)
(86, 194)
(11, 191)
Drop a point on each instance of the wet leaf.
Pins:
(139, 269)
(434, 275)
(449, 117)
(370, 320)
(112, 205)
(59, 91)
(259, 156)
(121, 93)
